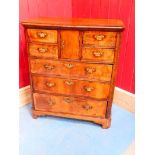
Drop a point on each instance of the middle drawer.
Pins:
(71, 87)
(74, 69)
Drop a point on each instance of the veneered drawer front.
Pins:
(43, 50)
(41, 35)
(69, 87)
(70, 105)
(72, 69)
(98, 54)
(105, 39)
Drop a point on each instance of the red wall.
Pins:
(122, 9)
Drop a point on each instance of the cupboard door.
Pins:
(69, 44)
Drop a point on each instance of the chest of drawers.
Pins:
(72, 64)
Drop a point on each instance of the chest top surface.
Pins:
(81, 23)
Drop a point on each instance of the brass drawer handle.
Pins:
(87, 107)
(50, 84)
(69, 83)
(42, 50)
(90, 70)
(99, 37)
(62, 44)
(68, 99)
(41, 34)
(89, 89)
(69, 66)
(97, 53)
(49, 67)
(51, 103)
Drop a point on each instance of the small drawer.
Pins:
(43, 50)
(104, 39)
(66, 86)
(98, 54)
(70, 105)
(40, 35)
(66, 69)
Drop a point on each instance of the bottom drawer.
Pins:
(70, 105)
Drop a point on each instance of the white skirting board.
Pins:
(122, 98)
(130, 150)
(25, 95)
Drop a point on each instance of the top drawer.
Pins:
(104, 39)
(40, 35)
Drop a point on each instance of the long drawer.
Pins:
(71, 69)
(96, 90)
(71, 105)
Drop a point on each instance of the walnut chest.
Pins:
(72, 64)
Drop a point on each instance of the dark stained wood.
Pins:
(73, 64)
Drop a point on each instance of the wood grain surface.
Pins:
(71, 69)
(76, 87)
(70, 105)
(70, 87)
(42, 35)
(69, 44)
(43, 50)
(98, 54)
